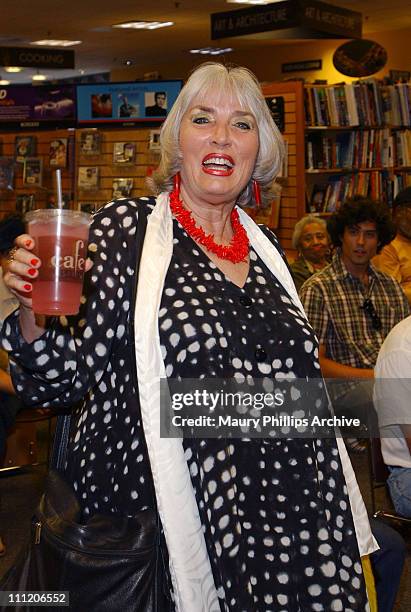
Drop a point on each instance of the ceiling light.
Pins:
(38, 77)
(56, 43)
(144, 25)
(250, 1)
(4, 81)
(13, 69)
(159, 24)
(212, 50)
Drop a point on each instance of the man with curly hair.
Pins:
(352, 306)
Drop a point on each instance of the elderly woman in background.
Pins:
(395, 258)
(249, 524)
(310, 240)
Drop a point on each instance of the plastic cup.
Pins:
(61, 238)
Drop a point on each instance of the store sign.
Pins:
(304, 19)
(331, 19)
(25, 106)
(36, 57)
(300, 66)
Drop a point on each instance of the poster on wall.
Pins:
(90, 142)
(126, 103)
(58, 152)
(25, 146)
(277, 110)
(360, 58)
(33, 172)
(25, 106)
(6, 173)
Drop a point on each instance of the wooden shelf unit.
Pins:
(292, 205)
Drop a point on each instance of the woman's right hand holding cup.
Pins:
(22, 268)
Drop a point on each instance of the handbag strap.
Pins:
(62, 431)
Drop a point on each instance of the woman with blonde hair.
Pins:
(248, 523)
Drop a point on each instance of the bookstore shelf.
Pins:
(357, 142)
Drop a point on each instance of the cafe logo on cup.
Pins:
(65, 260)
(69, 262)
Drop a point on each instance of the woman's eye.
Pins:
(243, 125)
(200, 120)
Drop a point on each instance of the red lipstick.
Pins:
(217, 164)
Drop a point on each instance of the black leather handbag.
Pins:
(110, 563)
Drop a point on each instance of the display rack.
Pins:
(18, 195)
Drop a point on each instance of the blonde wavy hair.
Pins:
(242, 84)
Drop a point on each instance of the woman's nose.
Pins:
(221, 134)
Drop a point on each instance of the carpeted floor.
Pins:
(20, 491)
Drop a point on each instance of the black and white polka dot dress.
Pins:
(274, 512)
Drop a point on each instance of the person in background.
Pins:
(392, 401)
(10, 227)
(310, 239)
(395, 258)
(352, 306)
(249, 524)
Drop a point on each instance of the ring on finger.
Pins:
(11, 254)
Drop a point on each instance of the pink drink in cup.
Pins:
(60, 238)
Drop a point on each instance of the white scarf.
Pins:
(190, 568)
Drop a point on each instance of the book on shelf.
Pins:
(124, 153)
(90, 142)
(58, 153)
(122, 187)
(400, 182)
(318, 198)
(353, 119)
(33, 171)
(6, 173)
(88, 177)
(24, 146)
(403, 147)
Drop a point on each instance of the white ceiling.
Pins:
(105, 49)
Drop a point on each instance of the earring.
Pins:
(256, 193)
(176, 184)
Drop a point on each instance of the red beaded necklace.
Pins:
(238, 248)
